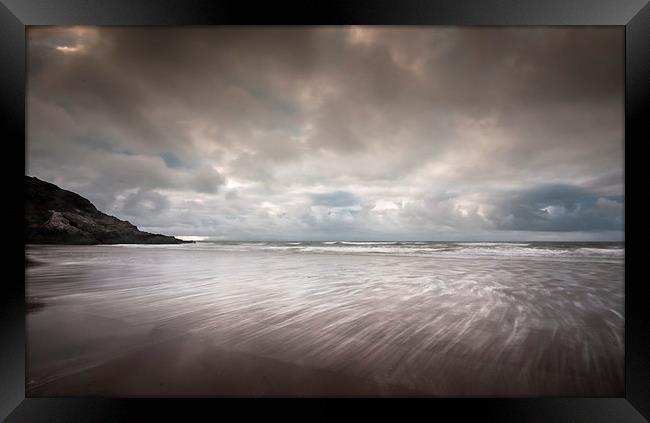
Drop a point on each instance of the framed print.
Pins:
(355, 200)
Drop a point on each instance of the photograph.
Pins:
(325, 211)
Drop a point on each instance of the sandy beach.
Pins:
(269, 321)
(186, 365)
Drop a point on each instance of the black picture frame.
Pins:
(15, 15)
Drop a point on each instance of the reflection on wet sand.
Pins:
(195, 320)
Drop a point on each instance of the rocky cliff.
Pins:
(56, 216)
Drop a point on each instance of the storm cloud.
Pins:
(335, 132)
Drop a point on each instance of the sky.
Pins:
(335, 133)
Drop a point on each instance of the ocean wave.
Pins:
(602, 251)
(436, 249)
(492, 244)
(369, 242)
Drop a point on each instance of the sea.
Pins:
(449, 319)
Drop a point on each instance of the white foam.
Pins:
(463, 249)
(491, 244)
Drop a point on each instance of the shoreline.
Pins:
(158, 322)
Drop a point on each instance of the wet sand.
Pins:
(121, 360)
(188, 366)
(157, 322)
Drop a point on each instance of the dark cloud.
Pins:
(560, 208)
(171, 160)
(384, 122)
(145, 204)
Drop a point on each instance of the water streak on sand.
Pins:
(438, 318)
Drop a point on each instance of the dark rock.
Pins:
(56, 216)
